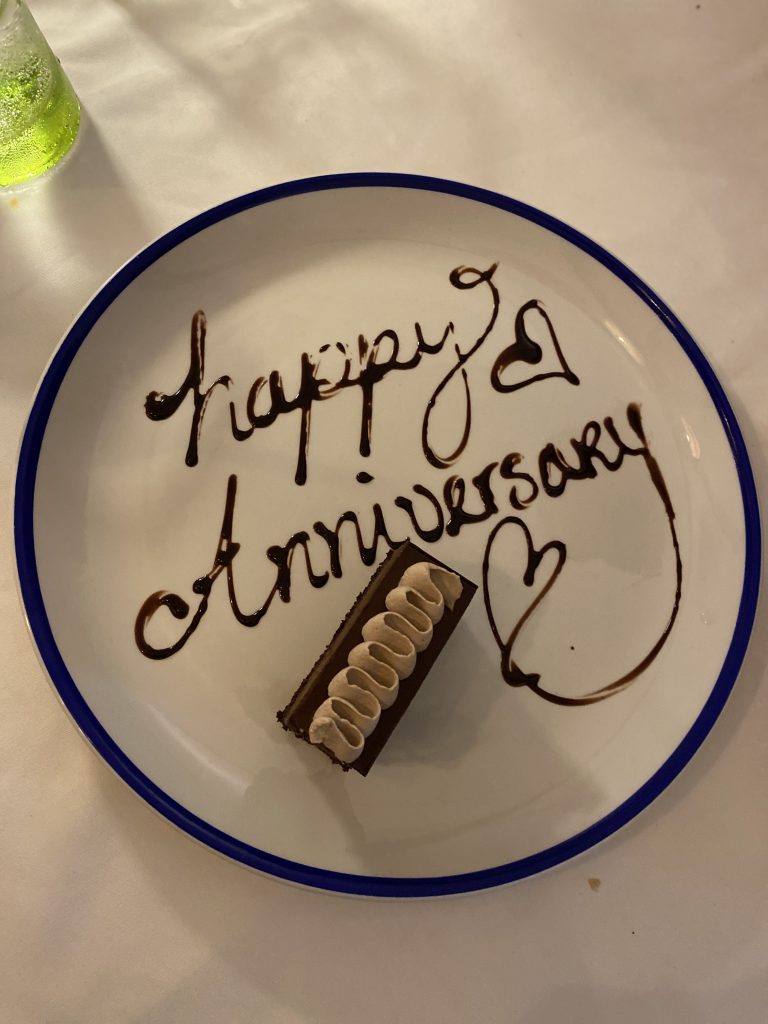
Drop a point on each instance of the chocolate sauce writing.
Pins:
(510, 671)
(339, 367)
(460, 502)
(599, 446)
(363, 366)
(524, 350)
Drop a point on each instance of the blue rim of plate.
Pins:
(201, 830)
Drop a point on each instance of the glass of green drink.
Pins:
(39, 112)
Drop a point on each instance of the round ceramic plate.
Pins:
(294, 377)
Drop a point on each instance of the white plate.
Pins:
(482, 782)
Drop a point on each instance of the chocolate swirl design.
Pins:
(392, 640)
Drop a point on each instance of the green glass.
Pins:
(39, 111)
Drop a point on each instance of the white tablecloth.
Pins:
(642, 124)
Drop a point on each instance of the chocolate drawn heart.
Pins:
(525, 349)
(510, 670)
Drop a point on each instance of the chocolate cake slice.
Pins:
(363, 682)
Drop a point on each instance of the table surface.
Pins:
(642, 124)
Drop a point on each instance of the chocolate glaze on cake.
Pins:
(297, 715)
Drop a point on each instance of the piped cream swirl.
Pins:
(370, 681)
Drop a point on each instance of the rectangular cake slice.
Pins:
(378, 658)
